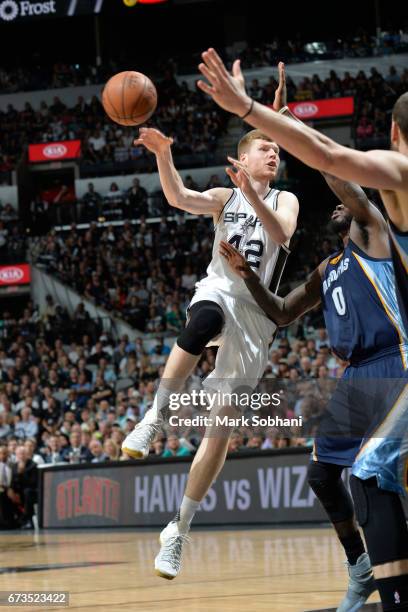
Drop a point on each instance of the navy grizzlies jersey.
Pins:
(360, 307)
(399, 249)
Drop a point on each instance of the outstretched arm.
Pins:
(176, 193)
(386, 170)
(283, 311)
(349, 193)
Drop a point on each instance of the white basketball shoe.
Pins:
(137, 443)
(168, 562)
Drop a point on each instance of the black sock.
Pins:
(353, 546)
(393, 592)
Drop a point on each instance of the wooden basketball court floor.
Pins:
(268, 569)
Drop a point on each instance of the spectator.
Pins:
(188, 279)
(24, 486)
(136, 200)
(255, 90)
(111, 450)
(235, 442)
(75, 452)
(190, 183)
(91, 204)
(97, 143)
(173, 320)
(365, 128)
(158, 448)
(30, 446)
(5, 428)
(174, 448)
(255, 441)
(214, 182)
(98, 455)
(11, 447)
(101, 390)
(27, 427)
(51, 416)
(114, 196)
(8, 214)
(8, 519)
(53, 451)
(98, 352)
(323, 338)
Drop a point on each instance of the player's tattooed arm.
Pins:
(349, 193)
(354, 198)
(177, 195)
(283, 311)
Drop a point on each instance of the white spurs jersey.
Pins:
(239, 225)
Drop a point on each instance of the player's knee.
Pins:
(326, 483)
(319, 479)
(205, 323)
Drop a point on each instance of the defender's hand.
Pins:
(153, 140)
(235, 260)
(281, 94)
(227, 90)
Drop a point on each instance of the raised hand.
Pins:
(281, 95)
(153, 140)
(227, 90)
(241, 178)
(236, 261)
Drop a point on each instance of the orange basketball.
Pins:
(129, 98)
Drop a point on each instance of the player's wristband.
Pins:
(249, 111)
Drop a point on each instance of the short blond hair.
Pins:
(248, 139)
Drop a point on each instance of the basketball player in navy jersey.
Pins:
(356, 287)
(380, 472)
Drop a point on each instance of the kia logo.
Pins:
(53, 151)
(11, 275)
(306, 109)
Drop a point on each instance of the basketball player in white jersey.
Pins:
(260, 223)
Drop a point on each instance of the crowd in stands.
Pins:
(129, 202)
(70, 393)
(13, 238)
(144, 272)
(187, 114)
(59, 75)
(358, 44)
(193, 121)
(374, 96)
